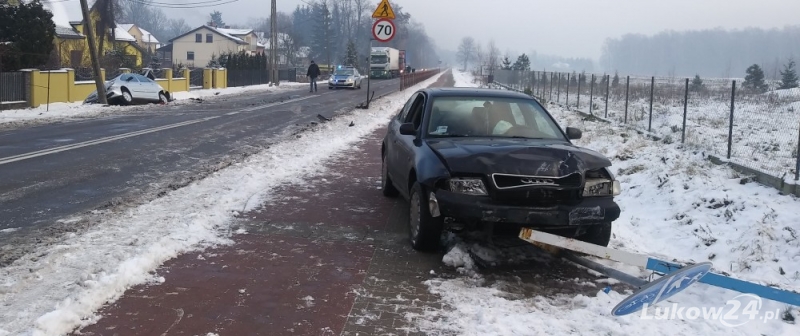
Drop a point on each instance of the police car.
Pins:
(345, 76)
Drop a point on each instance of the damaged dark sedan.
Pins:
(494, 160)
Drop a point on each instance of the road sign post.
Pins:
(383, 30)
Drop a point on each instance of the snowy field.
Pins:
(765, 128)
(60, 111)
(53, 291)
(675, 205)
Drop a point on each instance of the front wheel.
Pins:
(162, 98)
(126, 97)
(424, 229)
(598, 234)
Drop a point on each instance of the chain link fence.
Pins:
(755, 129)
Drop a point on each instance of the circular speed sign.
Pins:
(383, 30)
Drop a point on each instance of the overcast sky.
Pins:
(572, 28)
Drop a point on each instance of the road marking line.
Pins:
(64, 148)
(49, 151)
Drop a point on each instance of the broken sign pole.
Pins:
(659, 266)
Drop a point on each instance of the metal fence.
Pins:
(757, 129)
(12, 86)
(196, 77)
(414, 78)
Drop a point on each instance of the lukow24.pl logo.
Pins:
(736, 312)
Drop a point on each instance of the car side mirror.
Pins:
(407, 129)
(573, 133)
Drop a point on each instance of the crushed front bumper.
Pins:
(589, 211)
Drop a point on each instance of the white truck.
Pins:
(385, 62)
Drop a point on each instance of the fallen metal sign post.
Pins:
(675, 277)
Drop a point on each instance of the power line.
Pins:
(201, 4)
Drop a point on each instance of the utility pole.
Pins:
(274, 44)
(88, 29)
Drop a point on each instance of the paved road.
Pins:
(54, 173)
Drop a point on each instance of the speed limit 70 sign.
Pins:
(383, 30)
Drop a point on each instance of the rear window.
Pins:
(490, 117)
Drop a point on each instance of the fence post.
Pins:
(552, 79)
(608, 87)
(627, 86)
(558, 89)
(578, 103)
(591, 95)
(567, 101)
(797, 165)
(685, 108)
(730, 124)
(652, 87)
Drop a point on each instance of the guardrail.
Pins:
(414, 78)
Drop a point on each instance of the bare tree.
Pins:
(466, 50)
(492, 56)
(480, 57)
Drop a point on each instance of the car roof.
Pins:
(468, 92)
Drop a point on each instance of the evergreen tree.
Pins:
(30, 30)
(216, 18)
(573, 80)
(754, 80)
(351, 56)
(615, 81)
(522, 63)
(697, 84)
(789, 78)
(324, 35)
(506, 64)
(582, 77)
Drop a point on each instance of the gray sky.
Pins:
(572, 28)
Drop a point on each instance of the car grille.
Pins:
(509, 181)
(539, 197)
(521, 190)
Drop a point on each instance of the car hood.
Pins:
(343, 77)
(516, 156)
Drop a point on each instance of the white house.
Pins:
(197, 47)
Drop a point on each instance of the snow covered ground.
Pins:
(50, 292)
(765, 128)
(58, 111)
(675, 205)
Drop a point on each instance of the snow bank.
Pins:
(676, 206)
(58, 111)
(52, 291)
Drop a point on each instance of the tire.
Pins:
(162, 98)
(424, 230)
(598, 234)
(127, 99)
(387, 187)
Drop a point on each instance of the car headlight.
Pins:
(601, 187)
(601, 182)
(468, 186)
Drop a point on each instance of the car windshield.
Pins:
(379, 59)
(491, 117)
(343, 72)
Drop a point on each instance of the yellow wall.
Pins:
(220, 78)
(59, 86)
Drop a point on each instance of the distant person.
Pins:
(313, 73)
